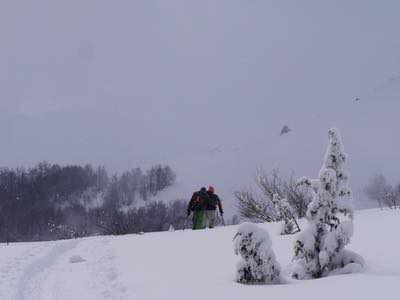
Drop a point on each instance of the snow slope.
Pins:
(189, 265)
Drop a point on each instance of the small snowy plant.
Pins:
(286, 215)
(258, 264)
(319, 251)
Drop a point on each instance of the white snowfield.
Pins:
(190, 265)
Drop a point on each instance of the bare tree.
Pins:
(254, 208)
(274, 189)
(379, 190)
(286, 188)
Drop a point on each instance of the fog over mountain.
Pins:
(205, 86)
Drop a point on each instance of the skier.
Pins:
(211, 207)
(197, 206)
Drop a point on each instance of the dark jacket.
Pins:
(198, 201)
(213, 202)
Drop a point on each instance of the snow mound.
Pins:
(75, 259)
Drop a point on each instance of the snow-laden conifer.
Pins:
(286, 214)
(258, 264)
(319, 250)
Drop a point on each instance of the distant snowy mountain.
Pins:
(204, 86)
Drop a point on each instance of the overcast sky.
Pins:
(126, 83)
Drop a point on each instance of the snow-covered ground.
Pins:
(189, 265)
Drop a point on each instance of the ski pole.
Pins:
(185, 225)
(222, 219)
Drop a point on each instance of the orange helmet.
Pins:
(211, 189)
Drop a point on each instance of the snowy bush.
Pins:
(258, 264)
(259, 206)
(253, 208)
(286, 214)
(381, 191)
(319, 251)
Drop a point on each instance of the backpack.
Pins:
(213, 201)
(196, 203)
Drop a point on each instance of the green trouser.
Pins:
(198, 219)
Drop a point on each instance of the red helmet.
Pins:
(211, 189)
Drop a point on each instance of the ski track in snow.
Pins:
(53, 274)
(30, 286)
(13, 261)
(98, 277)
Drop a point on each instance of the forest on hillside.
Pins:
(50, 201)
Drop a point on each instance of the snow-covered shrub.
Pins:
(286, 215)
(319, 250)
(258, 264)
(254, 208)
(257, 205)
(381, 191)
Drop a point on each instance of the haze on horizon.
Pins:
(137, 83)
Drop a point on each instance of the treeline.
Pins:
(50, 201)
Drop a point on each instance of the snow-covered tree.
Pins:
(254, 208)
(258, 264)
(286, 215)
(258, 206)
(380, 190)
(320, 249)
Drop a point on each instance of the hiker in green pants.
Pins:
(198, 219)
(197, 206)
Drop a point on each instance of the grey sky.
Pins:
(123, 83)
